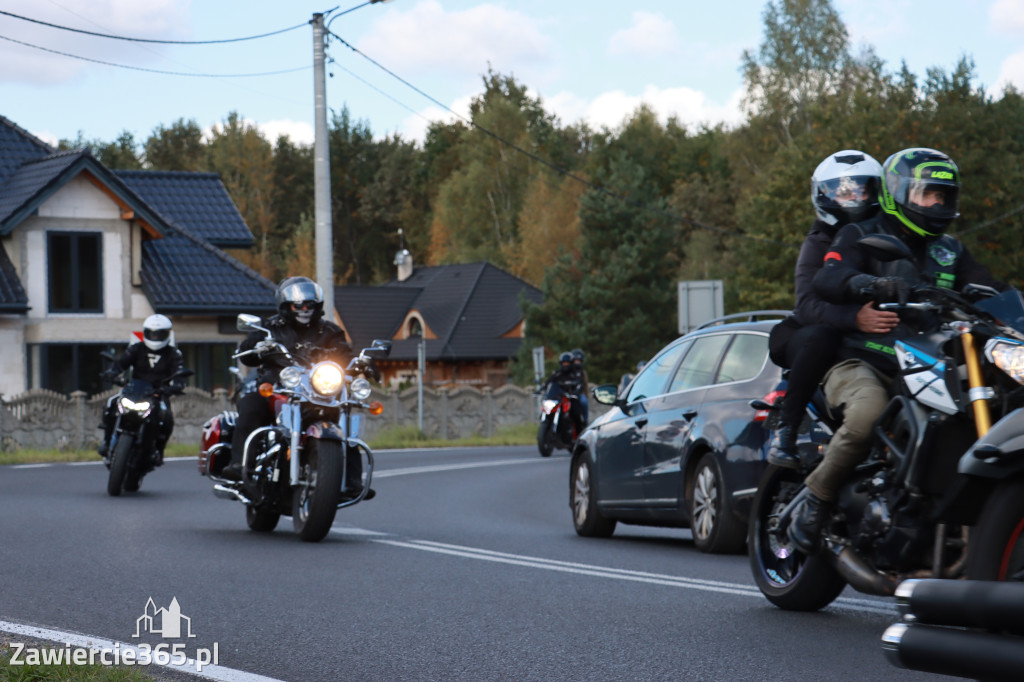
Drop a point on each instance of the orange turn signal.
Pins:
(266, 390)
(376, 407)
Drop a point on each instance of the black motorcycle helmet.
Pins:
(565, 359)
(578, 356)
(921, 189)
(295, 296)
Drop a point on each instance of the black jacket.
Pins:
(811, 308)
(321, 340)
(153, 366)
(943, 261)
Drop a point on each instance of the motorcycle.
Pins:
(310, 462)
(131, 454)
(558, 427)
(941, 493)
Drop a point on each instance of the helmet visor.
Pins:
(300, 292)
(934, 200)
(849, 191)
(156, 334)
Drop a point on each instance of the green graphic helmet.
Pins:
(921, 188)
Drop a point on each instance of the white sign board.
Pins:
(699, 301)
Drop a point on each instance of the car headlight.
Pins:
(290, 377)
(327, 378)
(1008, 357)
(361, 388)
(129, 404)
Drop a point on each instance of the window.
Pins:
(415, 329)
(652, 377)
(744, 359)
(75, 271)
(210, 362)
(698, 367)
(65, 367)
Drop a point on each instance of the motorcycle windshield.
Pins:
(1007, 308)
(138, 390)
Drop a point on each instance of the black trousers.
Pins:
(808, 352)
(253, 412)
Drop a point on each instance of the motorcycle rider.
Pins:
(844, 189)
(298, 325)
(578, 358)
(566, 379)
(919, 200)
(154, 360)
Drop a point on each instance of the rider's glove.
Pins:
(891, 290)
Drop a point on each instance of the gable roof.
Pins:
(12, 294)
(197, 202)
(18, 146)
(470, 307)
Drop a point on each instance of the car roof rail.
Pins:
(751, 316)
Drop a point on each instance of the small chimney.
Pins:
(403, 259)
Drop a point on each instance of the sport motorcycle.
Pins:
(310, 462)
(558, 428)
(941, 493)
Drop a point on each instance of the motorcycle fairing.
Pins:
(925, 375)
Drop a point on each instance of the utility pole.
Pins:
(322, 172)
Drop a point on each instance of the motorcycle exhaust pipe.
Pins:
(949, 651)
(964, 603)
(226, 493)
(858, 574)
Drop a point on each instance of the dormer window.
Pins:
(75, 276)
(414, 328)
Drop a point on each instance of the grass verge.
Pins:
(62, 672)
(388, 439)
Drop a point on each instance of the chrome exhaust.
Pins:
(226, 493)
(951, 651)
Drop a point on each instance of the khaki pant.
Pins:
(859, 389)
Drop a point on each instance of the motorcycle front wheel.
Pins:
(995, 550)
(119, 465)
(788, 578)
(315, 503)
(545, 438)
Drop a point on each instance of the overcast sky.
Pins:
(587, 59)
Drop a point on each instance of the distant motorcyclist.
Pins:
(578, 358)
(298, 326)
(154, 360)
(567, 379)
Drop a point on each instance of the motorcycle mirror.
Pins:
(108, 355)
(379, 349)
(248, 323)
(885, 247)
(184, 373)
(606, 394)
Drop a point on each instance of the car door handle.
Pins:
(689, 415)
(641, 422)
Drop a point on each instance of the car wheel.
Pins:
(712, 520)
(585, 515)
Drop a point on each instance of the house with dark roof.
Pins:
(468, 317)
(87, 253)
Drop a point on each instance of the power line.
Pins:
(554, 167)
(166, 73)
(150, 40)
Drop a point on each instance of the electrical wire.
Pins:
(150, 40)
(166, 73)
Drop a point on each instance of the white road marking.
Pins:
(682, 582)
(431, 468)
(209, 672)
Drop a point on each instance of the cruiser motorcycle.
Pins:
(131, 453)
(310, 462)
(941, 494)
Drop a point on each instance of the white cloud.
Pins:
(300, 132)
(650, 35)
(1011, 73)
(414, 127)
(1007, 16)
(611, 109)
(166, 19)
(426, 38)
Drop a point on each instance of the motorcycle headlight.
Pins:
(128, 404)
(327, 378)
(1008, 357)
(548, 406)
(361, 388)
(290, 377)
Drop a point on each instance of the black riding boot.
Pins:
(808, 521)
(783, 452)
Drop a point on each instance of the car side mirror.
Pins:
(606, 394)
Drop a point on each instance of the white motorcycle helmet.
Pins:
(156, 332)
(844, 187)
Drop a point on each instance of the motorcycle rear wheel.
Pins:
(545, 438)
(788, 578)
(119, 465)
(261, 519)
(995, 550)
(314, 505)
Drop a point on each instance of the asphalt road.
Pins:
(465, 567)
